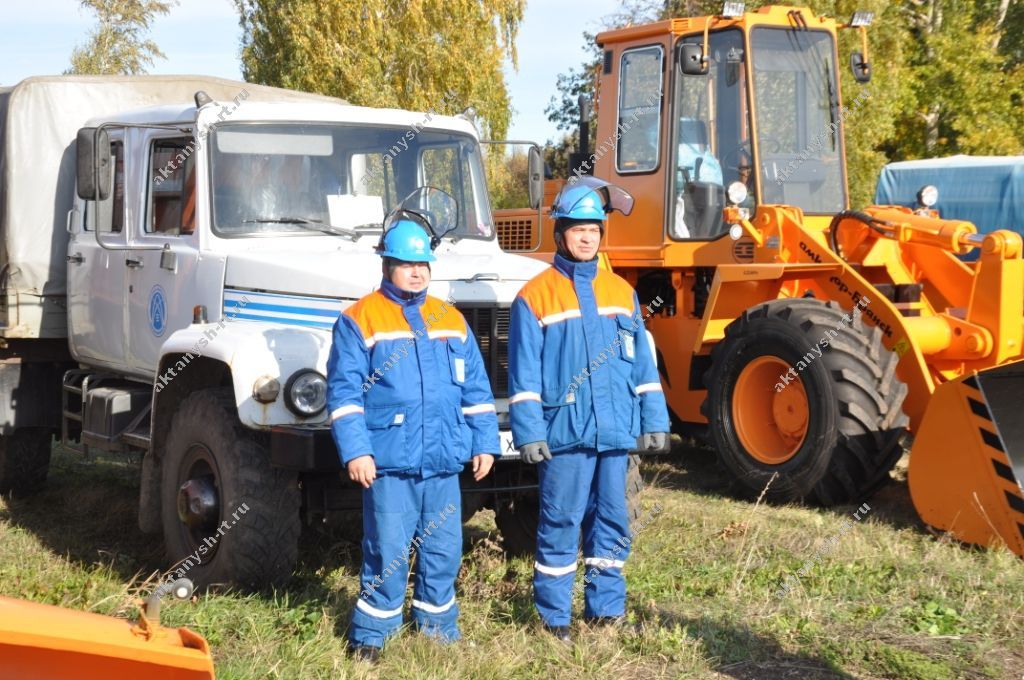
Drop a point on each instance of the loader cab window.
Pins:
(172, 193)
(109, 214)
(639, 110)
(712, 138)
(798, 119)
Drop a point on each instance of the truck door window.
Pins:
(639, 110)
(109, 214)
(172, 193)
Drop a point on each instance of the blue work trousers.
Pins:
(582, 488)
(402, 514)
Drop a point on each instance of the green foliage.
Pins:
(935, 619)
(118, 45)
(507, 177)
(387, 53)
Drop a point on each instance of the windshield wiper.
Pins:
(306, 223)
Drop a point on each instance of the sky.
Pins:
(202, 37)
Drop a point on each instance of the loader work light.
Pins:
(862, 18)
(928, 196)
(732, 10)
(306, 393)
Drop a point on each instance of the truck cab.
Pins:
(211, 248)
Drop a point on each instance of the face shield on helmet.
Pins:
(591, 199)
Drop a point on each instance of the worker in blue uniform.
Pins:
(410, 406)
(584, 391)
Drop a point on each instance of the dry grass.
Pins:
(888, 601)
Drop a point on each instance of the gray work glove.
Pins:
(535, 452)
(652, 442)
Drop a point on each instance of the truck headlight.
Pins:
(306, 393)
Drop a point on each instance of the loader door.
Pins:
(96, 275)
(163, 250)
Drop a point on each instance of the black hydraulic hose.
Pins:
(862, 217)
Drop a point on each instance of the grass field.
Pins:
(881, 597)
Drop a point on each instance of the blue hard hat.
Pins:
(590, 198)
(407, 241)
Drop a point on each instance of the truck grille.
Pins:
(490, 326)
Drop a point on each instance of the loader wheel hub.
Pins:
(771, 423)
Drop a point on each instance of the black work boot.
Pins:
(619, 623)
(365, 653)
(561, 633)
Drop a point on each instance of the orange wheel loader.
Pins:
(807, 342)
(43, 642)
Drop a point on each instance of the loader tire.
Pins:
(221, 497)
(517, 519)
(833, 432)
(25, 460)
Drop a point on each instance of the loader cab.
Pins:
(764, 111)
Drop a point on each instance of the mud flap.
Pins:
(967, 462)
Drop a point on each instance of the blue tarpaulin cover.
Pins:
(985, 190)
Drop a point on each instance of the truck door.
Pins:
(96, 275)
(163, 249)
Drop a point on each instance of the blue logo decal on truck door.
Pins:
(157, 311)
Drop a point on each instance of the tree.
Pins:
(387, 53)
(118, 45)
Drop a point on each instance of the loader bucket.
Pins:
(43, 642)
(967, 462)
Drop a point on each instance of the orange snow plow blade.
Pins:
(43, 642)
(967, 461)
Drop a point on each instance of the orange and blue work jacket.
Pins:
(581, 372)
(407, 385)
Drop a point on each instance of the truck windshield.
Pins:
(291, 178)
(801, 158)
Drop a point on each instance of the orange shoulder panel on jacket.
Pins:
(613, 292)
(374, 314)
(550, 293)
(442, 319)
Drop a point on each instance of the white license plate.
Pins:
(508, 451)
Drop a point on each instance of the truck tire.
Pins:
(25, 460)
(832, 433)
(517, 519)
(225, 510)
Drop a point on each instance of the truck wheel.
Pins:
(228, 516)
(517, 519)
(833, 432)
(25, 459)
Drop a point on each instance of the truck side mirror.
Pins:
(93, 164)
(691, 60)
(861, 69)
(536, 170)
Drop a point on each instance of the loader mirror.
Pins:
(537, 172)
(93, 170)
(861, 68)
(691, 60)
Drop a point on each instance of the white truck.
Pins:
(175, 253)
